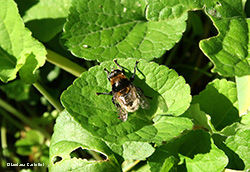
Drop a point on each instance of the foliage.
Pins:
(198, 120)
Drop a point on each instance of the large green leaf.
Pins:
(104, 30)
(170, 95)
(219, 100)
(68, 136)
(18, 50)
(46, 18)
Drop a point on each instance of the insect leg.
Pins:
(110, 93)
(133, 76)
(119, 66)
(106, 72)
(113, 101)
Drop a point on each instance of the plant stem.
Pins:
(3, 135)
(64, 63)
(131, 166)
(22, 117)
(10, 119)
(51, 99)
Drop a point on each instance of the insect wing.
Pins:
(143, 100)
(123, 114)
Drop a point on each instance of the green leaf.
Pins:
(46, 18)
(167, 9)
(32, 139)
(17, 90)
(243, 93)
(215, 160)
(229, 49)
(219, 100)
(163, 129)
(232, 129)
(245, 119)
(68, 136)
(97, 114)
(162, 161)
(104, 30)
(234, 162)
(240, 144)
(193, 147)
(18, 50)
(144, 168)
(137, 150)
(199, 117)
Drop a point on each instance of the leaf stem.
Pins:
(22, 117)
(132, 165)
(45, 93)
(64, 63)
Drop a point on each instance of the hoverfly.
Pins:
(126, 96)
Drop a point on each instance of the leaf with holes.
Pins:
(18, 50)
(219, 100)
(104, 30)
(97, 114)
(69, 136)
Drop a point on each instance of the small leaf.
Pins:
(18, 50)
(32, 139)
(68, 136)
(219, 100)
(49, 15)
(215, 161)
(97, 114)
(240, 144)
(162, 161)
(104, 30)
(17, 90)
(137, 150)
